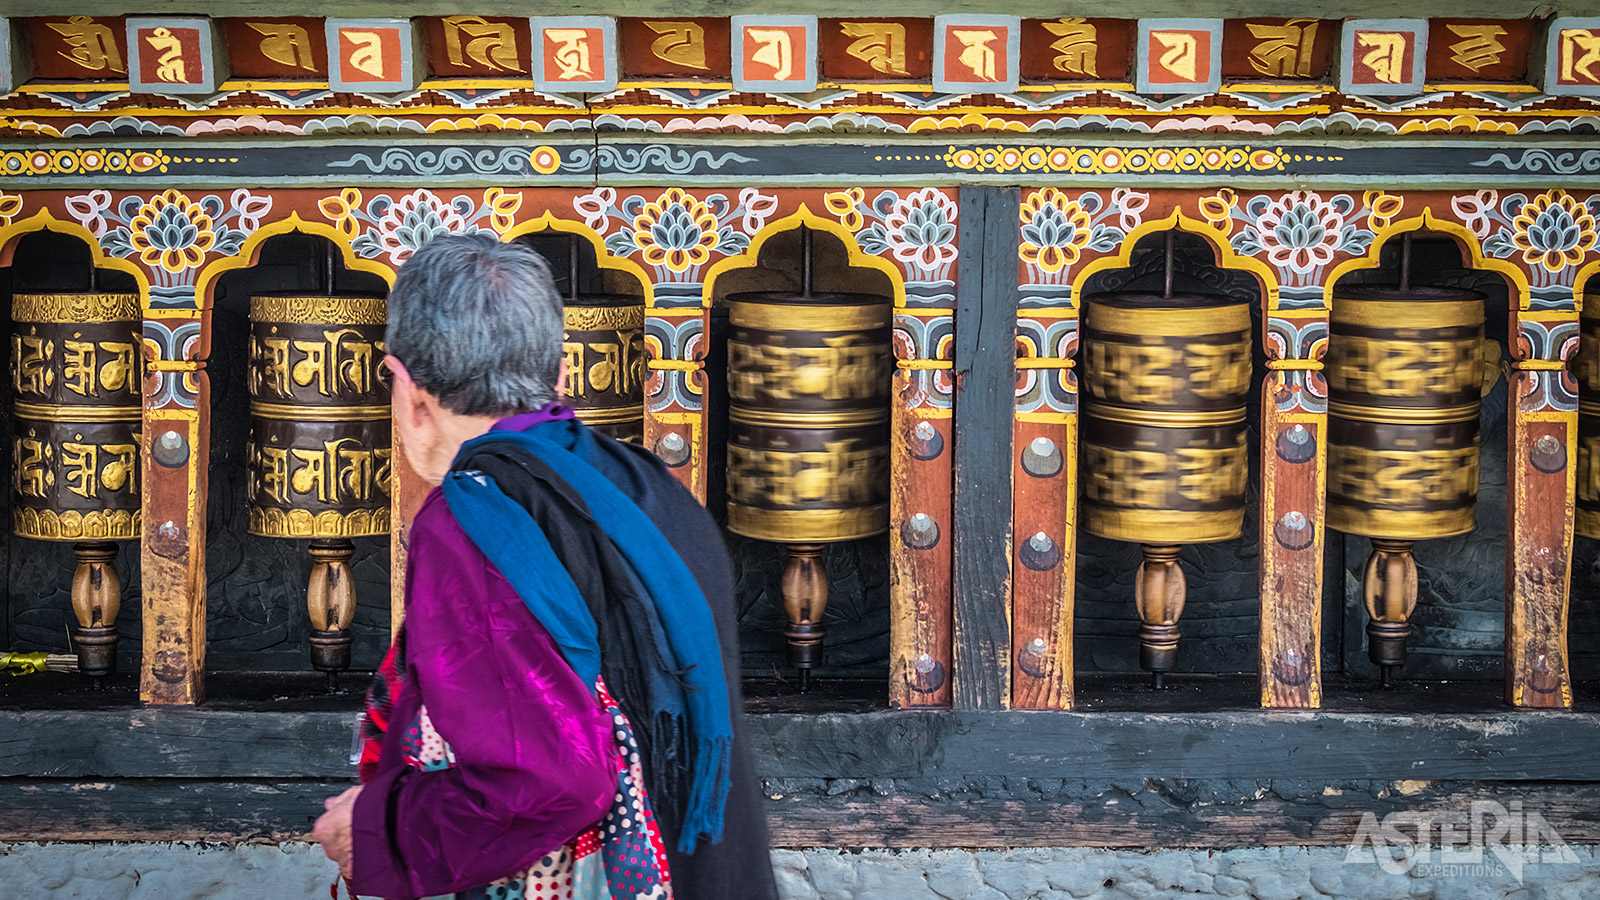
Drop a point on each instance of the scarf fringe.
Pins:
(713, 761)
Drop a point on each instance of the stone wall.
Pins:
(298, 871)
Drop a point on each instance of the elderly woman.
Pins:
(559, 717)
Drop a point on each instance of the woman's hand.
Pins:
(332, 830)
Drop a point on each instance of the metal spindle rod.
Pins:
(572, 267)
(1167, 294)
(1405, 262)
(805, 261)
(328, 266)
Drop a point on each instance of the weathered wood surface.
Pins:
(1042, 600)
(1527, 746)
(1541, 489)
(173, 554)
(986, 298)
(1158, 815)
(908, 779)
(1293, 537)
(164, 810)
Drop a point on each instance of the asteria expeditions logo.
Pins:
(1486, 839)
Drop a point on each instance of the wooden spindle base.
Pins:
(805, 596)
(1159, 590)
(96, 600)
(1389, 588)
(331, 601)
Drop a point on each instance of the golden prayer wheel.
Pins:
(318, 460)
(76, 375)
(1586, 368)
(1405, 373)
(808, 435)
(1164, 387)
(603, 341)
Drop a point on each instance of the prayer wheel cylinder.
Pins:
(1405, 374)
(1586, 368)
(76, 376)
(319, 455)
(603, 341)
(808, 435)
(1164, 385)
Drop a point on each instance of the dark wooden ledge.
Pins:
(1104, 777)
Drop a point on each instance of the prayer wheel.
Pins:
(1405, 372)
(808, 435)
(1586, 368)
(319, 454)
(76, 378)
(603, 341)
(1165, 382)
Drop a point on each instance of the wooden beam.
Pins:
(1496, 9)
(1154, 815)
(1159, 817)
(1323, 747)
(985, 366)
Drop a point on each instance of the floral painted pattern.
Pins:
(170, 233)
(1056, 229)
(677, 232)
(1551, 234)
(1299, 233)
(918, 231)
(396, 228)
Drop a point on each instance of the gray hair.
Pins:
(478, 324)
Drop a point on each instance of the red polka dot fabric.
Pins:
(622, 858)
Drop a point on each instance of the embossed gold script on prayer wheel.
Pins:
(319, 456)
(1405, 373)
(603, 342)
(76, 374)
(1165, 380)
(808, 434)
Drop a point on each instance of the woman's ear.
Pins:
(408, 404)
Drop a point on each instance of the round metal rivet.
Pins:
(926, 441)
(1295, 444)
(1039, 553)
(1293, 531)
(673, 449)
(170, 449)
(920, 532)
(1041, 458)
(1548, 455)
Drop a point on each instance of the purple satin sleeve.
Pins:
(535, 763)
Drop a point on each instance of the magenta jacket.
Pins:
(535, 763)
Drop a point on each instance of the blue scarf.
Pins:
(511, 539)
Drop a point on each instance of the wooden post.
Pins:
(1294, 477)
(407, 490)
(1541, 494)
(985, 360)
(1044, 516)
(921, 561)
(173, 542)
